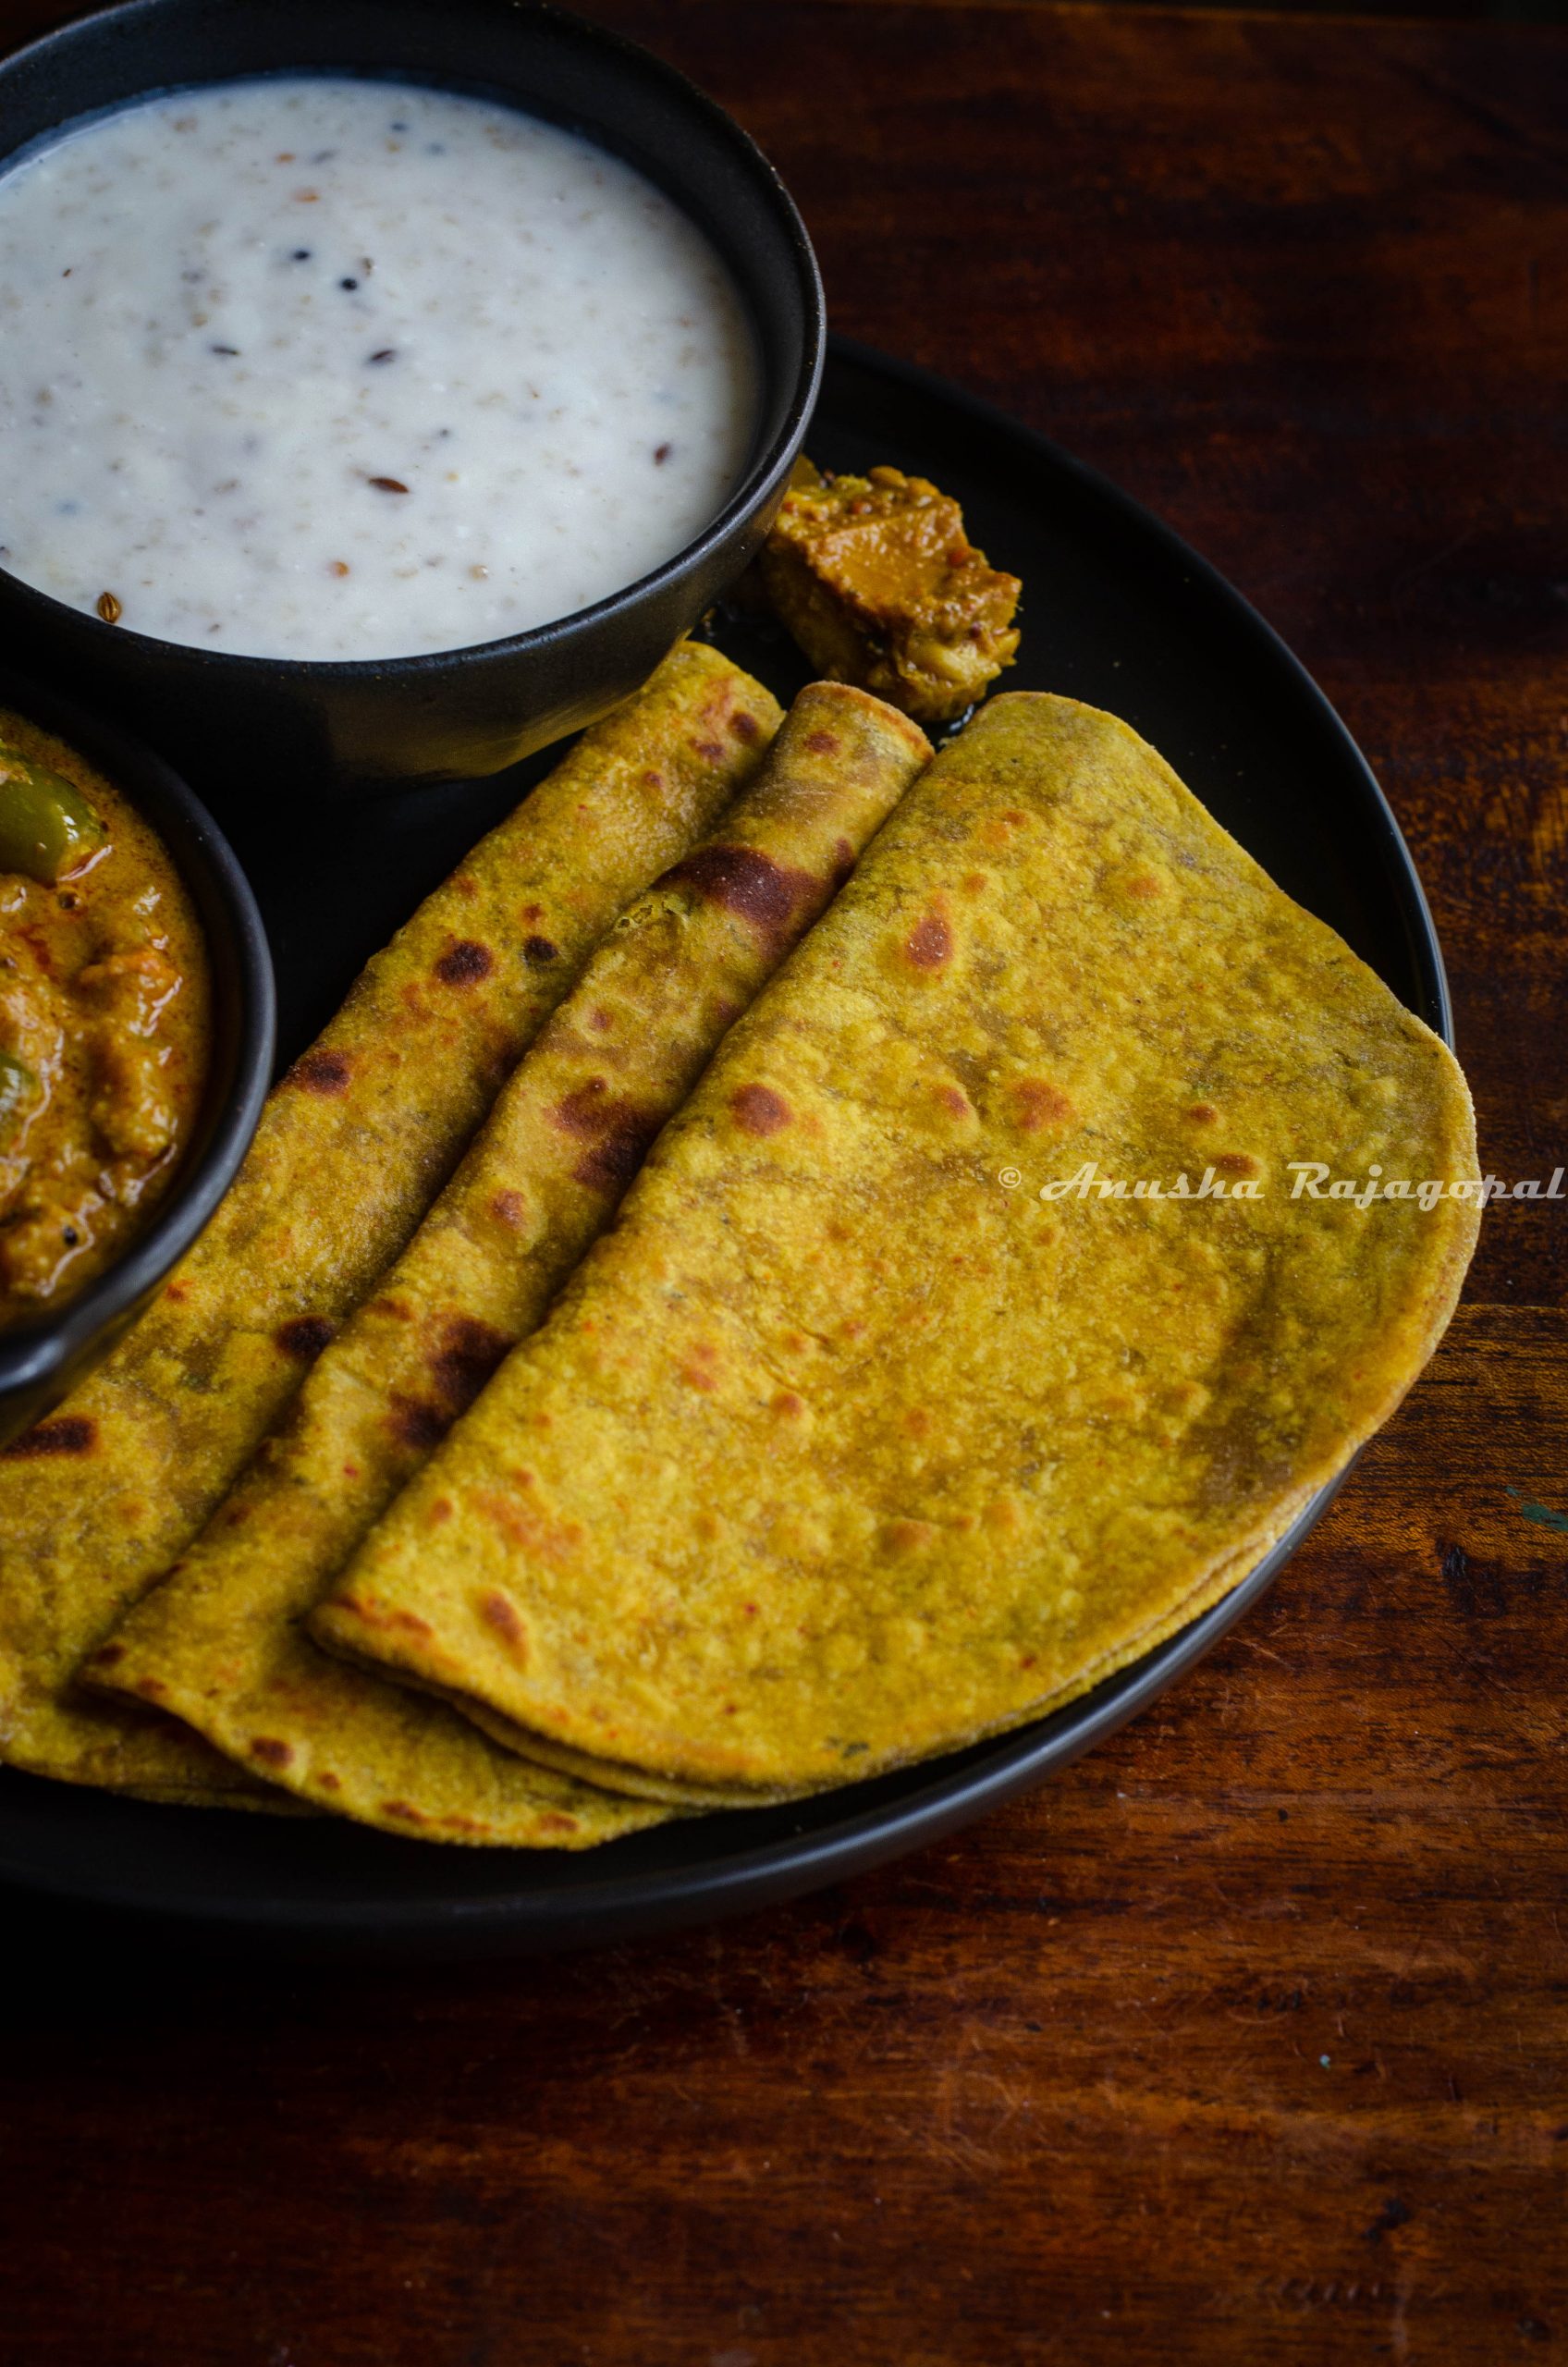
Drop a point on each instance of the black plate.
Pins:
(1120, 613)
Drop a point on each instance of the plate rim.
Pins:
(947, 1792)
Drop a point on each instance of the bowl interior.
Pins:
(40, 1360)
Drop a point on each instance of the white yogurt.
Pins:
(322, 368)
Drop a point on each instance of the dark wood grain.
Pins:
(1245, 2040)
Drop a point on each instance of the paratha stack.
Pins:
(219, 1643)
(876, 1424)
(977, 1316)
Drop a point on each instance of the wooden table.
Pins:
(1244, 2041)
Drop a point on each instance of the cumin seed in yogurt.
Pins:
(324, 368)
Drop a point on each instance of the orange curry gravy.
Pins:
(103, 1017)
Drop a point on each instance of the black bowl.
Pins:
(40, 1361)
(259, 723)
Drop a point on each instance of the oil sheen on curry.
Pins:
(104, 1020)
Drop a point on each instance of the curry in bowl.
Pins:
(104, 1020)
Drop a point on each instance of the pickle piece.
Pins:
(47, 827)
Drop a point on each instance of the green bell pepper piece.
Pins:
(47, 827)
(18, 1090)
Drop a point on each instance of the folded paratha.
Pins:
(875, 1426)
(97, 1500)
(219, 1643)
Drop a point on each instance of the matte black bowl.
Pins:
(257, 723)
(40, 1361)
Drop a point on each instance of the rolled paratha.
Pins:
(98, 1498)
(878, 1424)
(219, 1643)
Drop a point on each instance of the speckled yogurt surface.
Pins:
(324, 368)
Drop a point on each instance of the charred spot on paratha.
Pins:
(374, 1616)
(617, 1132)
(469, 1354)
(405, 1811)
(1038, 1103)
(746, 882)
(416, 1423)
(323, 1071)
(305, 1336)
(65, 1434)
(929, 944)
(499, 1612)
(757, 1110)
(465, 961)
